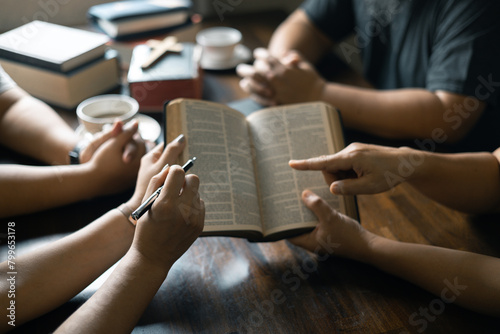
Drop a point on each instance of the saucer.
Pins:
(149, 129)
(242, 54)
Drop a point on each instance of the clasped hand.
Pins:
(272, 81)
(114, 156)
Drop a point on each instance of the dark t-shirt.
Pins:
(450, 45)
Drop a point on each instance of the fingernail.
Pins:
(180, 139)
(336, 189)
(165, 167)
(306, 194)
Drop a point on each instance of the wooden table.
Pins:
(229, 285)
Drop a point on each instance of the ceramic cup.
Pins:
(94, 113)
(218, 43)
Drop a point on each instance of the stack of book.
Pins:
(59, 65)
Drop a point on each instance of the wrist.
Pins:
(126, 211)
(134, 202)
(371, 243)
(98, 181)
(411, 163)
(74, 154)
(85, 179)
(319, 88)
(361, 249)
(155, 268)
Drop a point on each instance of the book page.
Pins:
(218, 137)
(280, 134)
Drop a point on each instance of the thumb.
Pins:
(317, 205)
(361, 185)
(104, 136)
(99, 139)
(128, 132)
(322, 211)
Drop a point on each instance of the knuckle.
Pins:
(194, 181)
(322, 159)
(355, 146)
(156, 179)
(272, 77)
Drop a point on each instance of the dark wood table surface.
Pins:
(229, 285)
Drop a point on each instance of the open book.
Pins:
(242, 162)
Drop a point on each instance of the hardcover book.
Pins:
(173, 75)
(126, 19)
(67, 90)
(242, 162)
(51, 46)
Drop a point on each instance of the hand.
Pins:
(110, 173)
(151, 164)
(272, 81)
(132, 148)
(335, 234)
(174, 221)
(364, 169)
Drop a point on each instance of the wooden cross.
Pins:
(160, 48)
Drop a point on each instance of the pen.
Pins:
(144, 207)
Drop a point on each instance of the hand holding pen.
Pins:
(148, 203)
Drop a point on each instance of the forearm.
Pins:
(469, 182)
(62, 269)
(26, 189)
(31, 127)
(118, 304)
(403, 113)
(468, 279)
(298, 33)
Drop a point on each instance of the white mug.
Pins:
(218, 43)
(94, 113)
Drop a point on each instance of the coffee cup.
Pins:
(218, 43)
(95, 112)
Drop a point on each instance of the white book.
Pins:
(67, 90)
(52, 46)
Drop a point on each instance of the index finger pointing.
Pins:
(328, 163)
(317, 163)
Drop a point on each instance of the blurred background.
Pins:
(73, 12)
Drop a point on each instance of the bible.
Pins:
(248, 187)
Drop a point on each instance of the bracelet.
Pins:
(126, 211)
(74, 154)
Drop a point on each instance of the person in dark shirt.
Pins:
(432, 67)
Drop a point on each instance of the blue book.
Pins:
(127, 19)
